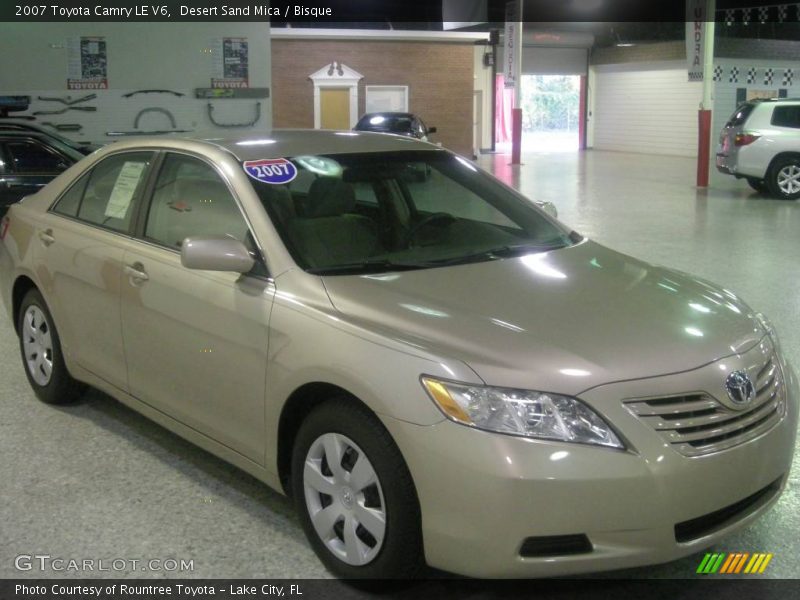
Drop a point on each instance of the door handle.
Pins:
(46, 237)
(136, 272)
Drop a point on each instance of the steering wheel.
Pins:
(445, 218)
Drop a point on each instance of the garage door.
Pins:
(645, 107)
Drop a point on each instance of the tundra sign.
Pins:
(695, 32)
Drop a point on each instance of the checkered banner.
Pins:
(776, 13)
(755, 75)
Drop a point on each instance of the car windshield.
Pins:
(388, 211)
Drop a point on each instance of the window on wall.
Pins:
(386, 98)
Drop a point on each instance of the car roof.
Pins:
(41, 135)
(389, 113)
(23, 126)
(775, 100)
(279, 143)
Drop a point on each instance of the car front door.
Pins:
(196, 341)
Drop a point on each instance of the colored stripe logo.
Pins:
(734, 563)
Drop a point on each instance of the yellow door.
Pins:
(334, 105)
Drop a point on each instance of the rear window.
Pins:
(387, 123)
(741, 114)
(786, 116)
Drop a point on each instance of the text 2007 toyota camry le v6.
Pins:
(434, 368)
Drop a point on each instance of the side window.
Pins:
(69, 203)
(32, 157)
(114, 184)
(190, 199)
(786, 116)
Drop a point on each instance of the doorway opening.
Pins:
(550, 113)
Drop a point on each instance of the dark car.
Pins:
(28, 161)
(84, 148)
(400, 123)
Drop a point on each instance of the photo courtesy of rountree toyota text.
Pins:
(374, 298)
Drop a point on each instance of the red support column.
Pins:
(703, 146)
(516, 136)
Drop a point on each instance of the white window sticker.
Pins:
(124, 188)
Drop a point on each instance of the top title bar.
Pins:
(318, 12)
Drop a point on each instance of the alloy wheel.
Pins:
(788, 179)
(344, 499)
(38, 345)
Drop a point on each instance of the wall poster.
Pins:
(231, 68)
(87, 63)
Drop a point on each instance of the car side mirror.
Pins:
(547, 207)
(216, 253)
(431, 129)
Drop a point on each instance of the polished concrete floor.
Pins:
(98, 481)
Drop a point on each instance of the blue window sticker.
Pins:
(270, 170)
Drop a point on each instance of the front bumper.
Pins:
(482, 494)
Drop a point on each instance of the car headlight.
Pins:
(521, 412)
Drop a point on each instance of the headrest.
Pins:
(281, 200)
(330, 197)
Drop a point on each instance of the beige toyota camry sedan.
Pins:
(434, 368)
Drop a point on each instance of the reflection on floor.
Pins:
(98, 481)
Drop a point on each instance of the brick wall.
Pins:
(439, 77)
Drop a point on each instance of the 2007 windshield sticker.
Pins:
(270, 170)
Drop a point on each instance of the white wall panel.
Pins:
(645, 107)
(140, 55)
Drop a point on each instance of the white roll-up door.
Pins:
(539, 60)
(645, 107)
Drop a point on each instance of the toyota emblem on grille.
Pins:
(740, 388)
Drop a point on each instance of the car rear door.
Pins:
(196, 341)
(81, 242)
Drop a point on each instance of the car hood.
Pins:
(561, 321)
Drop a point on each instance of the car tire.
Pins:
(40, 348)
(784, 178)
(758, 185)
(359, 531)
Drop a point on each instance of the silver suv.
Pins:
(761, 143)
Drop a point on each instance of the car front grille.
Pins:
(698, 424)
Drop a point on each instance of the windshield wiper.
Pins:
(507, 251)
(369, 266)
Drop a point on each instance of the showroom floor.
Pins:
(97, 480)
